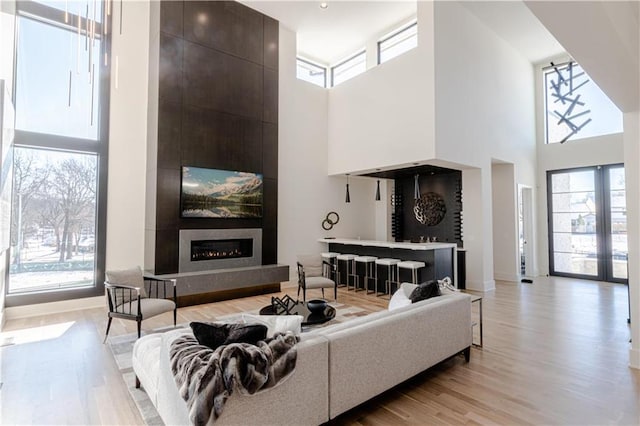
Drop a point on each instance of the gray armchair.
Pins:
(314, 273)
(132, 296)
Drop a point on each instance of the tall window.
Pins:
(398, 42)
(310, 72)
(588, 223)
(575, 106)
(349, 68)
(60, 157)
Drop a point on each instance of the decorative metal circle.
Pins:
(430, 209)
(331, 219)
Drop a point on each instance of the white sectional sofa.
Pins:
(338, 367)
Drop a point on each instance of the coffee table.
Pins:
(308, 317)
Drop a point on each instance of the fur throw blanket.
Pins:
(206, 378)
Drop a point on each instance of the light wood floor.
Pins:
(555, 352)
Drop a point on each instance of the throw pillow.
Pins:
(246, 333)
(425, 291)
(276, 323)
(215, 335)
(211, 335)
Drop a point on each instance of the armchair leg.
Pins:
(175, 316)
(335, 292)
(108, 327)
(137, 383)
(323, 293)
(139, 327)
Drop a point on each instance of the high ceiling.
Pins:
(329, 35)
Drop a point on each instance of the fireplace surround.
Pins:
(210, 249)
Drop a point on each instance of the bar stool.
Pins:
(348, 258)
(391, 265)
(369, 264)
(413, 266)
(331, 258)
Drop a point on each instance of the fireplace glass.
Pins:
(221, 249)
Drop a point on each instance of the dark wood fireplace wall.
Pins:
(218, 108)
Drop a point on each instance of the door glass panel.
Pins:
(618, 218)
(575, 248)
(53, 220)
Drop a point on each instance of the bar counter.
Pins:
(440, 258)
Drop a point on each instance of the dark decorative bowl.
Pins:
(316, 306)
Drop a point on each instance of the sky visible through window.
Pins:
(575, 106)
(46, 56)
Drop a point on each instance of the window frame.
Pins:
(344, 61)
(100, 147)
(397, 32)
(308, 62)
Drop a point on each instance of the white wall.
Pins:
(632, 177)
(505, 223)
(484, 110)
(128, 137)
(305, 192)
(384, 117)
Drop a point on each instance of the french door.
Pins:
(588, 223)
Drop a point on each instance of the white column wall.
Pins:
(485, 109)
(305, 192)
(506, 254)
(128, 137)
(632, 177)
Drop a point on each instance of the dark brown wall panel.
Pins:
(270, 113)
(215, 80)
(169, 134)
(229, 27)
(167, 242)
(171, 17)
(271, 42)
(168, 199)
(218, 109)
(222, 141)
(170, 72)
(270, 150)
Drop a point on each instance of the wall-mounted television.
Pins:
(213, 193)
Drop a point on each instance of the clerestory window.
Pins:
(575, 107)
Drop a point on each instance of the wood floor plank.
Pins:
(555, 352)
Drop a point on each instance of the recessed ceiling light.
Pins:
(324, 5)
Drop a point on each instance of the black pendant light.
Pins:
(416, 191)
(378, 191)
(347, 198)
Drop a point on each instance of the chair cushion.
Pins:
(312, 264)
(319, 282)
(149, 307)
(132, 277)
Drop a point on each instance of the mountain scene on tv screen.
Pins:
(212, 193)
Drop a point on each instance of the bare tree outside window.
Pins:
(54, 209)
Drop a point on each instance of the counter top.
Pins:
(388, 244)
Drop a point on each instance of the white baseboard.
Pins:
(488, 285)
(505, 276)
(634, 358)
(26, 311)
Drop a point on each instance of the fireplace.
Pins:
(209, 249)
(221, 249)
